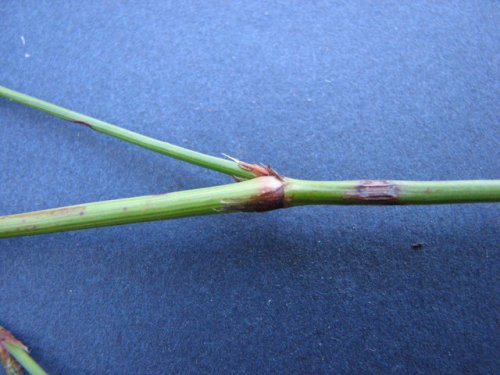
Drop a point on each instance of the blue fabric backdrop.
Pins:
(317, 89)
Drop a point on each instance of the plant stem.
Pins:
(256, 194)
(382, 192)
(25, 360)
(211, 162)
(259, 194)
(195, 202)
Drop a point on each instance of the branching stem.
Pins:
(263, 190)
(258, 194)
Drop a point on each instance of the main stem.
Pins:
(211, 162)
(196, 202)
(259, 194)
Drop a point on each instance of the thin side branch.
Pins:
(206, 161)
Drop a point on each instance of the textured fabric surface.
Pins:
(317, 89)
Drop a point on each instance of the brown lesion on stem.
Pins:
(375, 192)
(9, 363)
(83, 123)
(271, 197)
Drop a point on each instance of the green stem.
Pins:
(211, 162)
(25, 360)
(195, 202)
(259, 194)
(301, 192)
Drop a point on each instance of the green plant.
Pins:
(13, 354)
(258, 188)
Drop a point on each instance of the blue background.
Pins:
(317, 89)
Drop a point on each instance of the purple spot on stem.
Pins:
(83, 123)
